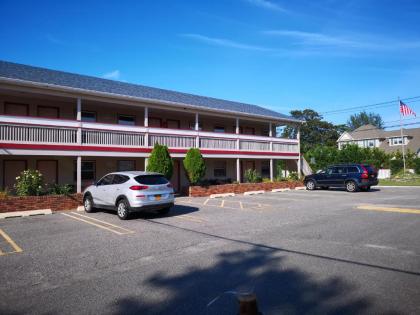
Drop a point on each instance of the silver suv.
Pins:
(128, 192)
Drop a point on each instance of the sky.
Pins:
(285, 55)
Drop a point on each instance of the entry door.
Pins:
(246, 165)
(175, 180)
(12, 169)
(48, 170)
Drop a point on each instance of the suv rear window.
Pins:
(352, 169)
(151, 179)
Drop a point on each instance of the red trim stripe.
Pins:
(133, 150)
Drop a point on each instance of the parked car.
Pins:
(128, 192)
(353, 177)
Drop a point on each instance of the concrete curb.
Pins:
(24, 213)
(255, 192)
(221, 195)
(300, 188)
(379, 186)
(280, 189)
(80, 208)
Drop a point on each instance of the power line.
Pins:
(375, 105)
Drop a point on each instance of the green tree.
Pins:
(160, 161)
(315, 130)
(194, 165)
(364, 118)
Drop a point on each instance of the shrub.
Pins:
(266, 180)
(56, 189)
(252, 176)
(194, 165)
(280, 166)
(293, 176)
(396, 165)
(416, 163)
(160, 161)
(29, 183)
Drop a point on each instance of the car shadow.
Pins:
(176, 210)
(344, 190)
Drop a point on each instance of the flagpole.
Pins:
(402, 138)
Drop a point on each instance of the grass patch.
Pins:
(401, 180)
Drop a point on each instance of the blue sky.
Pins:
(284, 55)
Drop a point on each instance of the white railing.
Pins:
(254, 146)
(37, 134)
(40, 130)
(172, 141)
(215, 143)
(285, 147)
(112, 138)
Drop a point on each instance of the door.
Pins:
(11, 170)
(101, 191)
(326, 178)
(246, 165)
(339, 176)
(175, 180)
(48, 169)
(173, 124)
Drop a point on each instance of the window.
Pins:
(126, 165)
(16, 109)
(88, 170)
(126, 120)
(265, 169)
(151, 179)
(219, 129)
(106, 180)
(249, 131)
(339, 170)
(330, 171)
(155, 122)
(352, 169)
(88, 116)
(371, 143)
(219, 169)
(397, 141)
(48, 111)
(173, 124)
(120, 179)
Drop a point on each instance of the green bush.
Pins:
(396, 166)
(280, 166)
(56, 189)
(293, 176)
(160, 161)
(416, 163)
(29, 183)
(252, 176)
(194, 166)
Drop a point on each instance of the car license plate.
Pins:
(157, 197)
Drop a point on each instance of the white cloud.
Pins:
(265, 4)
(225, 42)
(113, 75)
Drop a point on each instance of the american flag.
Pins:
(405, 110)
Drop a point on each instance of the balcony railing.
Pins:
(65, 132)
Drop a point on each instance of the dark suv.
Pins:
(353, 177)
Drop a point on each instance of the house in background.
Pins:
(369, 136)
(76, 128)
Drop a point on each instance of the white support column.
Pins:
(299, 159)
(79, 174)
(79, 142)
(79, 119)
(237, 132)
(270, 134)
(271, 170)
(196, 128)
(146, 124)
(146, 161)
(238, 171)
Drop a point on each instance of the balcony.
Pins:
(26, 130)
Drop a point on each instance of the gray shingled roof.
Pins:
(70, 80)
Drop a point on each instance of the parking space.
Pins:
(362, 246)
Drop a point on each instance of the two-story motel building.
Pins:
(76, 128)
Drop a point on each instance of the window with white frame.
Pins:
(397, 141)
(219, 169)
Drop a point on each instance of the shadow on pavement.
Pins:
(279, 289)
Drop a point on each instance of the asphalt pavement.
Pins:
(300, 252)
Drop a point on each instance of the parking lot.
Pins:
(320, 252)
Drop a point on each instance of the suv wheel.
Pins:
(310, 185)
(122, 209)
(88, 204)
(351, 186)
